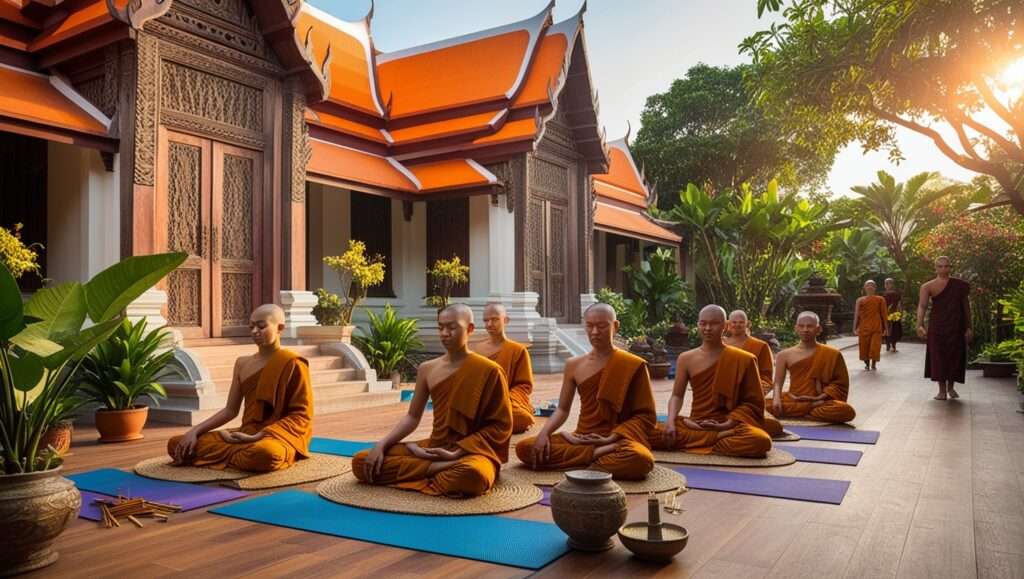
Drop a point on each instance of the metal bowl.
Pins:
(634, 538)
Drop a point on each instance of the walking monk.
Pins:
(894, 301)
(472, 422)
(277, 419)
(870, 324)
(739, 337)
(818, 381)
(616, 410)
(514, 359)
(727, 414)
(948, 330)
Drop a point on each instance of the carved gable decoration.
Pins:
(226, 22)
(187, 90)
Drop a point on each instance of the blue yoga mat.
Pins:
(338, 447)
(113, 482)
(829, 434)
(822, 455)
(815, 490)
(501, 540)
(406, 396)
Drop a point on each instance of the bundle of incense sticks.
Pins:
(131, 509)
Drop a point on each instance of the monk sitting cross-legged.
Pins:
(514, 359)
(277, 418)
(819, 382)
(472, 422)
(739, 337)
(727, 414)
(616, 410)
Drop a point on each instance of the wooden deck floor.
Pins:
(940, 495)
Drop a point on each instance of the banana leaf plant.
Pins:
(43, 342)
(125, 366)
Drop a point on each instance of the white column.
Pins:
(502, 234)
(298, 311)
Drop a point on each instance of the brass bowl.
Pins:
(634, 538)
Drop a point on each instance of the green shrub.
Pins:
(631, 313)
(125, 366)
(1006, 351)
(390, 341)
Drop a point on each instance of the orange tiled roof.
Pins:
(452, 174)
(631, 223)
(315, 116)
(549, 63)
(486, 121)
(622, 171)
(37, 98)
(89, 16)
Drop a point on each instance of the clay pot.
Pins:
(327, 333)
(58, 436)
(121, 425)
(588, 507)
(997, 369)
(34, 509)
(659, 370)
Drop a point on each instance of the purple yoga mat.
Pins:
(816, 490)
(822, 455)
(830, 434)
(546, 501)
(109, 482)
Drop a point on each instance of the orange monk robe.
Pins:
(730, 389)
(827, 366)
(514, 359)
(766, 371)
(471, 412)
(617, 399)
(278, 400)
(872, 316)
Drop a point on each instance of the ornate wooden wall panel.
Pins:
(448, 236)
(237, 175)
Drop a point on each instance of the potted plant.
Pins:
(445, 275)
(357, 273)
(42, 344)
(118, 373)
(58, 437)
(388, 344)
(999, 360)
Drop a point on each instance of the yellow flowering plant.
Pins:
(446, 274)
(895, 316)
(15, 255)
(357, 273)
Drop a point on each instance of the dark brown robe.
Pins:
(946, 357)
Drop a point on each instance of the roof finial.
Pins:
(629, 129)
(369, 14)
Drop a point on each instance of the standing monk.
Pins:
(277, 421)
(948, 330)
(739, 337)
(819, 383)
(727, 414)
(870, 323)
(894, 301)
(514, 359)
(616, 409)
(472, 422)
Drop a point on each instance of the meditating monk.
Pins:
(514, 359)
(277, 420)
(472, 422)
(727, 414)
(819, 383)
(949, 328)
(894, 301)
(616, 409)
(739, 337)
(870, 324)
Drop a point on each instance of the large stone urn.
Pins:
(589, 507)
(34, 509)
(815, 297)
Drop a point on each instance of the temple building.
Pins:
(261, 136)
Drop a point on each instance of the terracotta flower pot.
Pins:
(58, 436)
(34, 510)
(659, 370)
(327, 333)
(121, 425)
(997, 369)
(589, 507)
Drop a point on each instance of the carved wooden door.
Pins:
(207, 206)
(548, 255)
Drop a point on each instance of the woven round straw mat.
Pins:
(316, 467)
(786, 436)
(774, 457)
(504, 496)
(658, 480)
(812, 422)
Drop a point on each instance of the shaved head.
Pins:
(266, 324)
(870, 282)
(942, 259)
(462, 312)
(495, 308)
(602, 309)
(738, 316)
(270, 312)
(712, 311)
(808, 315)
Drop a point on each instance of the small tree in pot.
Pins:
(356, 273)
(446, 274)
(118, 373)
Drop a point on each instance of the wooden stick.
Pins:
(137, 522)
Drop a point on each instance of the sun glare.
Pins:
(1013, 75)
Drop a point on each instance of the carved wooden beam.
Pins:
(136, 12)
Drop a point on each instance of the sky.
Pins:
(636, 48)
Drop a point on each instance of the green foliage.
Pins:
(1011, 350)
(836, 72)
(329, 310)
(746, 243)
(859, 256)
(357, 272)
(445, 275)
(705, 129)
(656, 283)
(389, 342)
(630, 313)
(1014, 305)
(782, 328)
(42, 344)
(125, 367)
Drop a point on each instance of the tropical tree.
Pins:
(656, 283)
(898, 211)
(859, 254)
(706, 130)
(839, 71)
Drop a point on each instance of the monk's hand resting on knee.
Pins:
(572, 438)
(716, 425)
(598, 440)
(374, 461)
(692, 425)
(670, 434)
(541, 450)
(420, 452)
(186, 447)
(443, 454)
